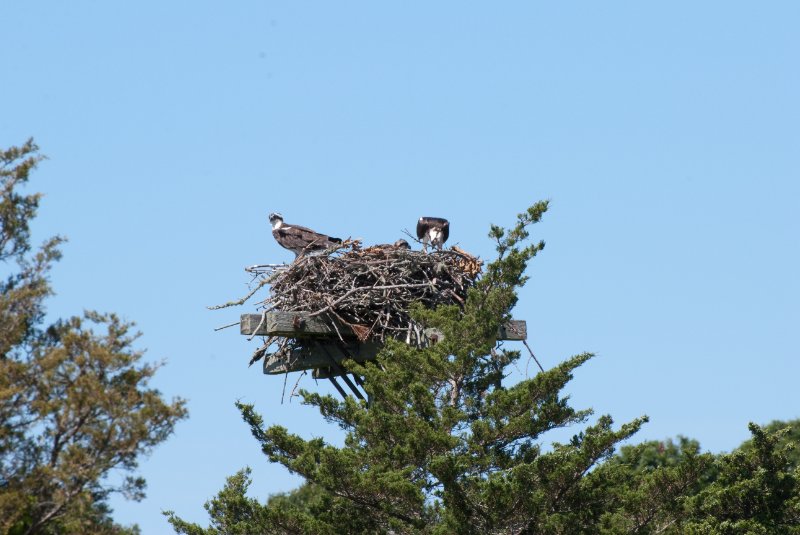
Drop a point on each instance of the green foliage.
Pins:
(446, 445)
(74, 398)
(449, 445)
(648, 484)
(788, 434)
(25, 287)
(308, 509)
(757, 491)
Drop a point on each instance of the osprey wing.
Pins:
(314, 236)
(302, 239)
(289, 240)
(445, 230)
(422, 228)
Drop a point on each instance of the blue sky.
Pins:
(666, 136)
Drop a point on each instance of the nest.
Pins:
(368, 290)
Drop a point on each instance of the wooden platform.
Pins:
(325, 350)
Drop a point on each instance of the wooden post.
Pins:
(343, 373)
(338, 386)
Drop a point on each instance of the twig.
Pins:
(226, 326)
(412, 236)
(283, 392)
(260, 323)
(243, 299)
(264, 269)
(292, 394)
(361, 289)
(256, 267)
(532, 355)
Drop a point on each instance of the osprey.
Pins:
(400, 244)
(299, 240)
(434, 230)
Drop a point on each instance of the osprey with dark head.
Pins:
(299, 240)
(399, 245)
(433, 230)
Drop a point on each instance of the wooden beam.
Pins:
(338, 387)
(341, 371)
(513, 330)
(310, 358)
(303, 325)
(328, 351)
(324, 373)
(290, 325)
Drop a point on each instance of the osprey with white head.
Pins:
(299, 240)
(433, 230)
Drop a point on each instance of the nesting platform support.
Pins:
(325, 351)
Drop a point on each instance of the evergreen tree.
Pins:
(650, 482)
(757, 490)
(74, 398)
(672, 488)
(449, 445)
(446, 446)
(788, 434)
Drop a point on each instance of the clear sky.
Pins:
(666, 135)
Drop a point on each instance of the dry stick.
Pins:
(257, 267)
(283, 393)
(413, 237)
(334, 324)
(243, 299)
(292, 394)
(350, 292)
(457, 298)
(226, 326)
(260, 323)
(495, 357)
(534, 356)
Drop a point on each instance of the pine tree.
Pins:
(446, 445)
(757, 490)
(649, 484)
(449, 444)
(74, 396)
(788, 434)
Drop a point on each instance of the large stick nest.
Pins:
(368, 290)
